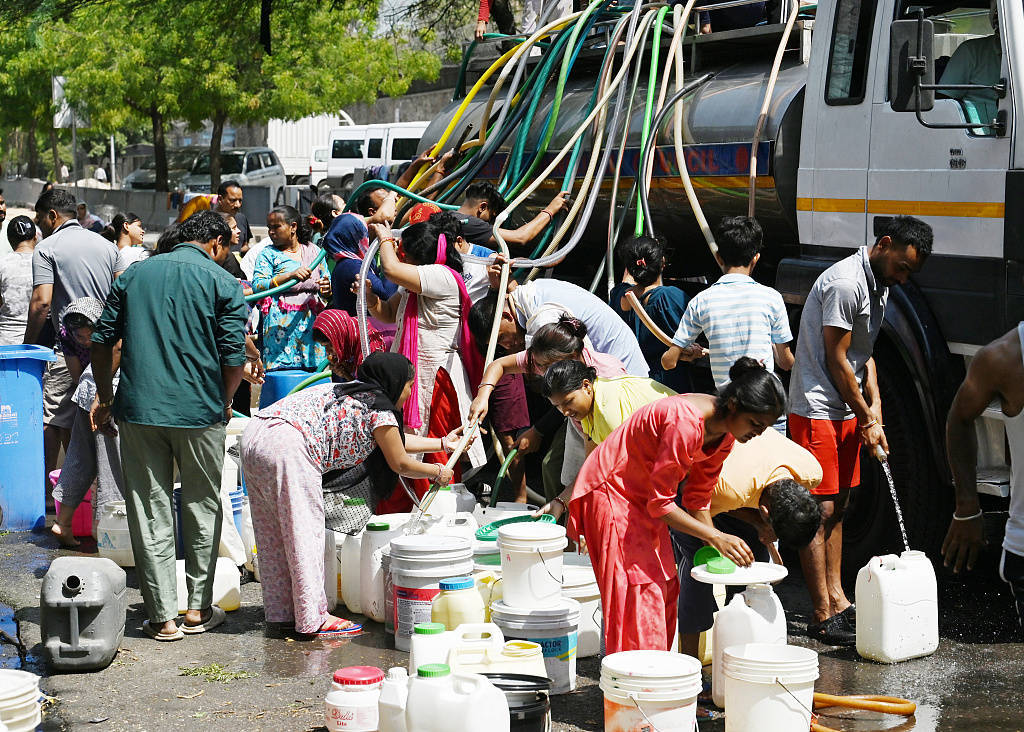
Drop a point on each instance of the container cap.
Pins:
(433, 670)
(358, 676)
(378, 526)
(444, 487)
(428, 628)
(721, 565)
(457, 583)
(705, 553)
(355, 501)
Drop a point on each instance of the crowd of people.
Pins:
(154, 346)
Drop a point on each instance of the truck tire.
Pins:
(301, 180)
(870, 527)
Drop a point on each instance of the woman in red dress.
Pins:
(624, 500)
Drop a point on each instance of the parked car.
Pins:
(362, 146)
(179, 162)
(248, 166)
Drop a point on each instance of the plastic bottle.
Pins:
(394, 693)
(350, 556)
(445, 502)
(352, 705)
(429, 644)
(897, 608)
(458, 603)
(738, 623)
(440, 701)
(376, 536)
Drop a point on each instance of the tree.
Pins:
(25, 71)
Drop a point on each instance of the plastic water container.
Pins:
(502, 510)
(755, 700)
(377, 537)
(452, 524)
(440, 701)
(20, 710)
(21, 436)
(458, 603)
(248, 536)
(394, 693)
(897, 608)
(514, 657)
(555, 629)
(431, 643)
(351, 551)
(278, 383)
(465, 501)
(580, 584)
(83, 606)
(352, 705)
(112, 538)
(531, 564)
(418, 564)
(331, 573)
(226, 592)
(651, 690)
(444, 502)
(389, 593)
(81, 519)
(753, 616)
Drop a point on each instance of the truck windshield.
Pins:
(347, 149)
(230, 162)
(404, 148)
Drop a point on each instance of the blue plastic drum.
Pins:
(277, 384)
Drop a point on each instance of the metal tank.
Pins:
(719, 122)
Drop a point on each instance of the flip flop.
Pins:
(159, 635)
(334, 630)
(216, 618)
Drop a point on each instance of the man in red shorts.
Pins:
(835, 406)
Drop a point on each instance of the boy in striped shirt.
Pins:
(739, 316)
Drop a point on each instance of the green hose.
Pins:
(652, 82)
(320, 376)
(501, 474)
(287, 285)
(374, 184)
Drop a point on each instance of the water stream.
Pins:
(896, 504)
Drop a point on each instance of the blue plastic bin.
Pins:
(22, 466)
(277, 384)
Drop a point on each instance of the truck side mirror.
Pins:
(911, 62)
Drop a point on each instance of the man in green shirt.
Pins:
(181, 322)
(977, 61)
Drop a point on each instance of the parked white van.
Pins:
(362, 146)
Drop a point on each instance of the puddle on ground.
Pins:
(13, 653)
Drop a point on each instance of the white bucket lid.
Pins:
(564, 612)
(420, 545)
(532, 535)
(649, 665)
(14, 682)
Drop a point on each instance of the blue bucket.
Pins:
(277, 384)
(237, 499)
(22, 464)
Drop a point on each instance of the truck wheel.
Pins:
(870, 527)
(302, 180)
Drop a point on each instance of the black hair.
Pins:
(447, 223)
(486, 191)
(481, 317)
(112, 231)
(644, 258)
(323, 208)
(794, 514)
(170, 238)
(419, 242)
(59, 200)
(222, 189)
(557, 341)
(292, 216)
(566, 376)
(739, 239)
(203, 226)
(19, 229)
(364, 204)
(907, 231)
(74, 321)
(752, 388)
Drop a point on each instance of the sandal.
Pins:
(216, 618)
(336, 628)
(159, 635)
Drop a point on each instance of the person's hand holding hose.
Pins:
(529, 441)
(478, 408)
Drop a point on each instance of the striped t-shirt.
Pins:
(740, 317)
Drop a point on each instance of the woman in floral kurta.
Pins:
(287, 318)
(286, 449)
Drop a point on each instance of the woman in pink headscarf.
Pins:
(338, 333)
(430, 308)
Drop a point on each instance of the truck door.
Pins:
(832, 178)
(955, 179)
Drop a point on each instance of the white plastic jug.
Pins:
(430, 643)
(466, 501)
(897, 608)
(112, 538)
(753, 616)
(226, 593)
(376, 537)
(444, 502)
(514, 657)
(462, 525)
(440, 701)
(502, 510)
(394, 693)
(458, 604)
(330, 569)
(350, 572)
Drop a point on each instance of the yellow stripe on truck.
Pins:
(957, 209)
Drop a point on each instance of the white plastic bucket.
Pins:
(580, 584)
(531, 564)
(768, 686)
(555, 629)
(418, 564)
(650, 689)
(19, 700)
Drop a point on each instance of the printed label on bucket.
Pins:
(560, 661)
(357, 719)
(412, 606)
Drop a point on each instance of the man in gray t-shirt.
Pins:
(835, 405)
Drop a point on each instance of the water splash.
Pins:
(896, 503)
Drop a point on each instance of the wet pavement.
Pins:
(975, 680)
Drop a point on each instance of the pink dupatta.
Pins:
(409, 344)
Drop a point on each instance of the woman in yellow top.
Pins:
(598, 404)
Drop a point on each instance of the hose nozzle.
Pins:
(880, 453)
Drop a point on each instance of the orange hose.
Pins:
(883, 704)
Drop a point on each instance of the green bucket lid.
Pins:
(355, 501)
(488, 560)
(490, 531)
(433, 670)
(428, 628)
(721, 565)
(704, 554)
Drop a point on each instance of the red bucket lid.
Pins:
(358, 676)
